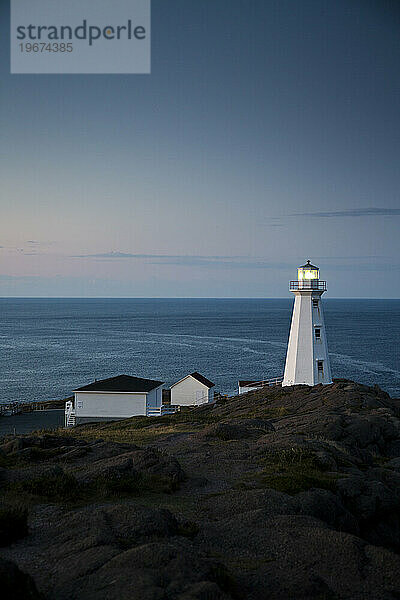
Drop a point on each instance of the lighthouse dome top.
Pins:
(309, 266)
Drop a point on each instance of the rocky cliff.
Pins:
(283, 493)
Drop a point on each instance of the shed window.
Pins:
(317, 333)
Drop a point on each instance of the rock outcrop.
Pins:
(283, 493)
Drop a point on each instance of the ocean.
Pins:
(48, 347)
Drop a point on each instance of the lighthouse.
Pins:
(307, 360)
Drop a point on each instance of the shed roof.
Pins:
(248, 383)
(199, 377)
(121, 383)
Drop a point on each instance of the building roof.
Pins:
(121, 383)
(309, 266)
(202, 379)
(247, 383)
(199, 377)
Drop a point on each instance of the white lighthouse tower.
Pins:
(307, 360)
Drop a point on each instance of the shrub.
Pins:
(137, 484)
(295, 470)
(57, 487)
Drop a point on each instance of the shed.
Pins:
(115, 398)
(248, 386)
(192, 390)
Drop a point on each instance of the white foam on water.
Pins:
(375, 368)
(213, 339)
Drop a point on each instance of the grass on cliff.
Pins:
(294, 470)
(61, 487)
(144, 430)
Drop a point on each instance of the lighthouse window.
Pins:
(320, 366)
(315, 303)
(317, 334)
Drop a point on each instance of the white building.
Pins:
(115, 398)
(245, 386)
(192, 390)
(307, 360)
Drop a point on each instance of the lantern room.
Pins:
(308, 272)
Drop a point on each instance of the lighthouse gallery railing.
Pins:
(308, 284)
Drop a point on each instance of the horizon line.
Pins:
(184, 298)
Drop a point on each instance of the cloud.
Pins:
(105, 255)
(159, 258)
(227, 262)
(198, 261)
(353, 212)
(357, 257)
(117, 254)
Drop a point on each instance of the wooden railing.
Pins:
(11, 408)
(70, 417)
(17, 408)
(160, 411)
(264, 382)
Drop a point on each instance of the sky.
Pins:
(268, 133)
